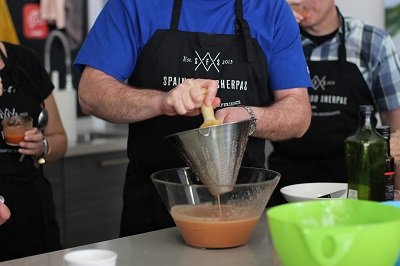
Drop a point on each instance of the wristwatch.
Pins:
(252, 116)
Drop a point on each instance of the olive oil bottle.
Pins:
(365, 159)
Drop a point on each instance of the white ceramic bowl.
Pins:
(312, 191)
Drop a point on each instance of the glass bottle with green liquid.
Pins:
(365, 159)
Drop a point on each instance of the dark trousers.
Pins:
(32, 227)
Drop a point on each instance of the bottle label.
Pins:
(353, 194)
(389, 185)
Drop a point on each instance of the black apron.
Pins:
(338, 90)
(32, 227)
(171, 56)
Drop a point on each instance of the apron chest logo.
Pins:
(206, 61)
(321, 83)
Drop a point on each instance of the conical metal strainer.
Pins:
(214, 153)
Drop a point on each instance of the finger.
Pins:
(31, 131)
(180, 108)
(34, 137)
(197, 95)
(31, 149)
(216, 102)
(212, 88)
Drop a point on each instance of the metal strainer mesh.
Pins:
(214, 153)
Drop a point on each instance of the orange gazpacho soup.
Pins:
(213, 226)
(14, 139)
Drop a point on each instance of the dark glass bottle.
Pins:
(390, 167)
(365, 159)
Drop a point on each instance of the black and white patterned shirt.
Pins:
(374, 53)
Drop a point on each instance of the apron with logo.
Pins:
(338, 90)
(171, 56)
(32, 227)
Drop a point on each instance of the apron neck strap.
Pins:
(176, 13)
(241, 25)
(342, 34)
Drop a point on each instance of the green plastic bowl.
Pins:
(335, 232)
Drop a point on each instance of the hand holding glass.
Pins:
(14, 128)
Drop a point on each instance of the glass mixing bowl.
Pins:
(208, 221)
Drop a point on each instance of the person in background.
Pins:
(244, 53)
(351, 64)
(26, 89)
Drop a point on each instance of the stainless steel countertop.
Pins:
(95, 136)
(166, 247)
(96, 146)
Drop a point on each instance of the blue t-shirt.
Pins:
(125, 26)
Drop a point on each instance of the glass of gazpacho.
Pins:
(14, 128)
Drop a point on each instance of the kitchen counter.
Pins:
(98, 145)
(95, 136)
(166, 247)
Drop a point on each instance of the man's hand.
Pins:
(187, 97)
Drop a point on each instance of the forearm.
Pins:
(57, 146)
(392, 119)
(111, 100)
(289, 117)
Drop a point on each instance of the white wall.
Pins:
(94, 8)
(372, 11)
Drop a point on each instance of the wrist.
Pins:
(252, 117)
(46, 151)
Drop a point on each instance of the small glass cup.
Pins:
(14, 128)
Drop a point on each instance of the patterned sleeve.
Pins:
(386, 76)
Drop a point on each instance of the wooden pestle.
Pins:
(208, 114)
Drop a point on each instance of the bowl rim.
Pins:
(275, 179)
(206, 128)
(270, 212)
(75, 256)
(284, 193)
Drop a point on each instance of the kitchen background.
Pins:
(88, 181)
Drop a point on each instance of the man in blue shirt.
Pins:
(244, 53)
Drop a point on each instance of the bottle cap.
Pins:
(368, 109)
(384, 131)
